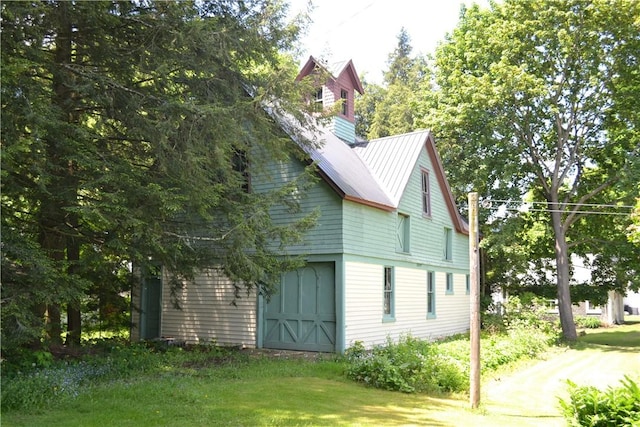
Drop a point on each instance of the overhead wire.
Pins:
(524, 206)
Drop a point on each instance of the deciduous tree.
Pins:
(542, 96)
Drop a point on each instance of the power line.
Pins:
(561, 211)
(602, 205)
(525, 207)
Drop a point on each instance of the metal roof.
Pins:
(374, 173)
(392, 160)
(346, 170)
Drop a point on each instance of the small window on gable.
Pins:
(318, 100)
(447, 247)
(388, 294)
(449, 288)
(240, 163)
(345, 105)
(402, 233)
(426, 194)
(431, 294)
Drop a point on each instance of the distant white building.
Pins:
(611, 313)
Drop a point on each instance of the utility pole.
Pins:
(474, 305)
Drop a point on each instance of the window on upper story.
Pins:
(431, 294)
(318, 100)
(388, 296)
(403, 228)
(240, 163)
(345, 105)
(449, 287)
(426, 194)
(447, 247)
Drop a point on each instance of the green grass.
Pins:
(627, 335)
(282, 392)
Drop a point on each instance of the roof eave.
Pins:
(460, 224)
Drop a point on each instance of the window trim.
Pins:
(344, 96)
(425, 184)
(447, 249)
(449, 284)
(240, 163)
(431, 294)
(406, 231)
(388, 272)
(318, 100)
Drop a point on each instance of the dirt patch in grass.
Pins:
(287, 354)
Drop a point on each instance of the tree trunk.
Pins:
(74, 318)
(563, 276)
(52, 243)
(54, 218)
(53, 325)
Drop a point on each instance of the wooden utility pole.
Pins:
(474, 282)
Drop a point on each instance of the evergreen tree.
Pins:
(128, 131)
(390, 109)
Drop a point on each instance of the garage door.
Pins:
(301, 315)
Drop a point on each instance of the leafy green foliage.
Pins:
(412, 365)
(530, 99)
(587, 322)
(129, 134)
(616, 406)
(391, 109)
(48, 382)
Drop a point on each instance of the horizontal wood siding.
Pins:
(363, 305)
(208, 313)
(344, 129)
(369, 231)
(427, 233)
(372, 232)
(326, 236)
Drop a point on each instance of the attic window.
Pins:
(426, 194)
(240, 164)
(318, 99)
(343, 96)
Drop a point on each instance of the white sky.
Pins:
(366, 31)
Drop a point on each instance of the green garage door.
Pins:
(302, 314)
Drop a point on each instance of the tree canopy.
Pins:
(127, 131)
(391, 109)
(542, 97)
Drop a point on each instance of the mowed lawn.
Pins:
(297, 393)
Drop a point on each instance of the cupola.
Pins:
(341, 84)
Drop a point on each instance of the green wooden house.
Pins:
(389, 255)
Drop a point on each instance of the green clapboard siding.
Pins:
(373, 232)
(344, 129)
(326, 236)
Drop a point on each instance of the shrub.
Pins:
(410, 365)
(413, 365)
(587, 322)
(616, 406)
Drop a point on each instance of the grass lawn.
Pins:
(281, 392)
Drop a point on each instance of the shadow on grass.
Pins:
(624, 337)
